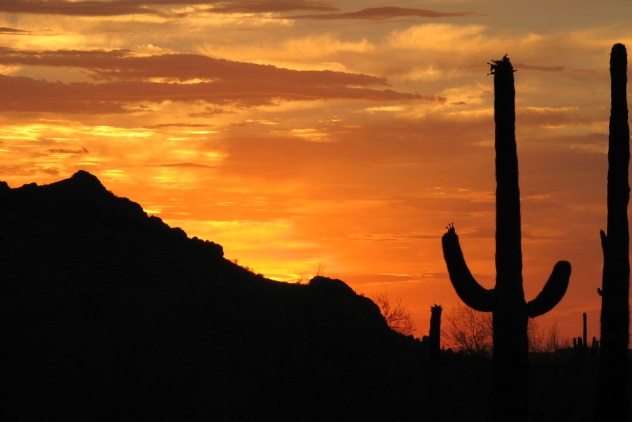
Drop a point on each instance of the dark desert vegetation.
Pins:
(108, 314)
(506, 302)
(395, 315)
(468, 331)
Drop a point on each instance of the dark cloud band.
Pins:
(382, 13)
(121, 79)
(132, 7)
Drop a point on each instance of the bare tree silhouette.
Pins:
(396, 316)
(468, 331)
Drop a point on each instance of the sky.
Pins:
(330, 137)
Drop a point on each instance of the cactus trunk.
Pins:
(434, 334)
(613, 361)
(506, 301)
(511, 344)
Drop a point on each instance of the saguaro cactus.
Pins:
(510, 311)
(580, 344)
(434, 335)
(612, 390)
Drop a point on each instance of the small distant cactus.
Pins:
(506, 301)
(434, 335)
(612, 391)
(585, 328)
(580, 344)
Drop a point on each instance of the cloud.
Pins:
(123, 79)
(555, 116)
(540, 68)
(25, 94)
(360, 279)
(134, 7)
(5, 30)
(315, 51)
(185, 165)
(259, 6)
(67, 58)
(71, 151)
(72, 8)
(382, 13)
(121, 65)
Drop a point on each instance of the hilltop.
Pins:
(109, 314)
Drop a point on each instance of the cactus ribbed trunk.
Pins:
(611, 404)
(506, 301)
(511, 362)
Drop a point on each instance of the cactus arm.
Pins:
(553, 290)
(467, 288)
(604, 245)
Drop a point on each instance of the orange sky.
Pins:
(340, 135)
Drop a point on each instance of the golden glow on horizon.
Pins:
(356, 169)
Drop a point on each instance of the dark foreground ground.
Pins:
(107, 314)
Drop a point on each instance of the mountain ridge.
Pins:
(101, 303)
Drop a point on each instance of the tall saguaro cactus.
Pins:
(506, 301)
(612, 399)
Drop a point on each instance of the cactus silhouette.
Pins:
(580, 344)
(434, 334)
(613, 358)
(585, 328)
(510, 311)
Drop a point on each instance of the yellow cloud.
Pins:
(312, 52)
(445, 38)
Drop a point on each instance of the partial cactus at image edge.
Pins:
(612, 385)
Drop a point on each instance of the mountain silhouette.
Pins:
(107, 313)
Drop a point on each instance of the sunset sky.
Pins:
(337, 137)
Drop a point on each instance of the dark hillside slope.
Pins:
(108, 314)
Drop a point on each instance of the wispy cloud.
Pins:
(131, 7)
(541, 68)
(72, 8)
(382, 13)
(6, 30)
(122, 65)
(25, 94)
(261, 6)
(123, 79)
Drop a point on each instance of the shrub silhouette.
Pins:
(510, 311)
(612, 384)
(395, 315)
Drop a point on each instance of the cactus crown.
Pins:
(501, 65)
